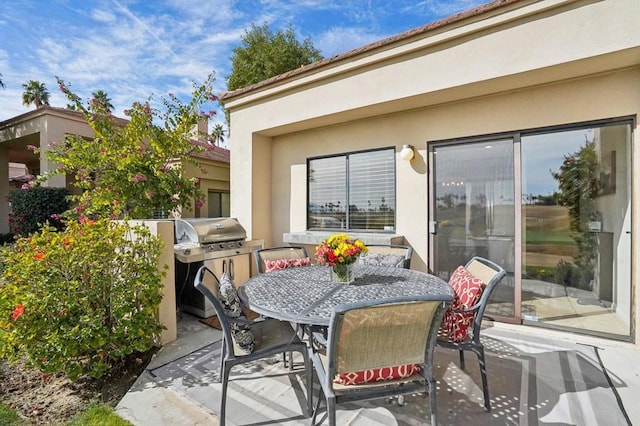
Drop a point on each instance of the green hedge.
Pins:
(31, 208)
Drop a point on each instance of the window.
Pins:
(354, 191)
(218, 204)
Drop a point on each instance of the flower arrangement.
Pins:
(339, 249)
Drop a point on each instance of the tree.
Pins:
(579, 187)
(265, 54)
(100, 102)
(217, 134)
(35, 93)
(1, 82)
(133, 170)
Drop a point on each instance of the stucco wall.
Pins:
(529, 65)
(214, 176)
(581, 100)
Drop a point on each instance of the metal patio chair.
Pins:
(275, 253)
(378, 334)
(490, 274)
(394, 250)
(271, 337)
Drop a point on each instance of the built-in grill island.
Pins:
(221, 245)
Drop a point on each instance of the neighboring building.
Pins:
(522, 115)
(45, 124)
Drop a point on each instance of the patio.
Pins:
(535, 377)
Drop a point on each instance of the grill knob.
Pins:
(221, 246)
(240, 244)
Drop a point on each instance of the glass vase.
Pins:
(342, 273)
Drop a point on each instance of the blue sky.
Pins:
(136, 49)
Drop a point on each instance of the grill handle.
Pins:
(229, 266)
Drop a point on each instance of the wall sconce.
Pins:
(406, 153)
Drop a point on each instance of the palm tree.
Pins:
(217, 134)
(101, 101)
(35, 93)
(1, 82)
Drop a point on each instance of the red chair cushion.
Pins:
(274, 265)
(468, 290)
(377, 374)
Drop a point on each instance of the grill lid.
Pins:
(209, 230)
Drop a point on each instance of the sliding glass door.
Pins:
(576, 217)
(473, 210)
(552, 206)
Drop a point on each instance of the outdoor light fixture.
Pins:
(407, 152)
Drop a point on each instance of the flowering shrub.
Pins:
(32, 207)
(339, 249)
(132, 168)
(78, 300)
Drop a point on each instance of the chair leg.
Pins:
(434, 402)
(461, 359)
(223, 356)
(331, 410)
(223, 397)
(308, 372)
(483, 373)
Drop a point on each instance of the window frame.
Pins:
(347, 228)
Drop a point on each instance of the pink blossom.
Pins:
(199, 203)
(32, 147)
(139, 177)
(59, 167)
(25, 186)
(56, 216)
(175, 198)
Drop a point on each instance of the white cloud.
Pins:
(342, 39)
(132, 49)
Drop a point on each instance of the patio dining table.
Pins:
(306, 295)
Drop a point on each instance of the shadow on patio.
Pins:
(532, 380)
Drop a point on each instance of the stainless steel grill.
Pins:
(220, 244)
(209, 238)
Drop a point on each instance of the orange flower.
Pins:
(67, 242)
(39, 256)
(17, 312)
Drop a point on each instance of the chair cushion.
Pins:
(382, 259)
(468, 290)
(377, 374)
(241, 334)
(276, 264)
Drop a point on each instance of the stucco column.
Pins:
(4, 189)
(251, 182)
(46, 136)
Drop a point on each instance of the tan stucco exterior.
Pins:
(516, 65)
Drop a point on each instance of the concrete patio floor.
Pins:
(536, 376)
